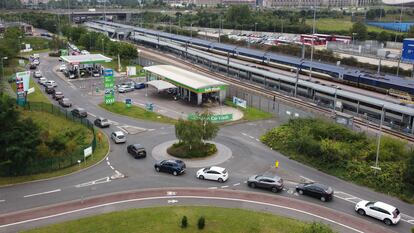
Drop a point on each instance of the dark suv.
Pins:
(79, 112)
(275, 184)
(50, 90)
(320, 191)
(174, 167)
(137, 151)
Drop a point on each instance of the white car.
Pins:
(37, 74)
(213, 173)
(118, 137)
(379, 210)
(62, 68)
(42, 81)
(50, 83)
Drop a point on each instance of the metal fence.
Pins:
(51, 163)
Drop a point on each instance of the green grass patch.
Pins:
(36, 43)
(35, 51)
(52, 125)
(249, 113)
(137, 112)
(37, 95)
(181, 150)
(168, 219)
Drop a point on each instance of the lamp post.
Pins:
(255, 28)
(2, 65)
(376, 168)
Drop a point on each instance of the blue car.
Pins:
(139, 85)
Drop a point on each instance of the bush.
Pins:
(201, 223)
(184, 222)
(317, 228)
(181, 150)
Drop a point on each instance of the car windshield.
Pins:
(104, 120)
(121, 136)
(206, 169)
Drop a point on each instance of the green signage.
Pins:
(214, 118)
(211, 89)
(64, 52)
(109, 82)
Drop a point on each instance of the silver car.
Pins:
(118, 137)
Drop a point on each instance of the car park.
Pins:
(79, 112)
(275, 183)
(118, 137)
(37, 74)
(137, 151)
(173, 166)
(65, 102)
(379, 210)
(320, 191)
(219, 174)
(42, 81)
(50, 90)
(101, 122)
(58, 95)
(50, 83)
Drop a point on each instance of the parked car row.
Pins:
(129, 86)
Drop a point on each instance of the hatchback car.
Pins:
(275, 184)
(174, 167)
(50, 83)
(118, 137)
(379, 210)
(58, 95)
(101, 122)
(42, 81)
(137, 151)
(79, 112)
(219, 174)
(37, 74)
(50, 90)
(65, 102)
(320, 191)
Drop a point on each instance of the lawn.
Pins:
(136, 112)
(37, 95)
(251, 114)
(168, 219)
(53, 124)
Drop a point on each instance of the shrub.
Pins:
(201, 223)
(184, 222)
(317, 228)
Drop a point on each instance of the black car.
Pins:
(101, 122)
(172, 166)
(79, 112)
(33, 66)
(50, 90)
(320, 191)
(275, 184)
(137, 151)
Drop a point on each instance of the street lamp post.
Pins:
(379, 141)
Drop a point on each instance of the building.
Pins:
(34, 2)
(319, 3)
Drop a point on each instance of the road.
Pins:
(249, 156)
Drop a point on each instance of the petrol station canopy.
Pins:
(86, 59)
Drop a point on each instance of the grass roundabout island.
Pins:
(186, 219)
(183, 151)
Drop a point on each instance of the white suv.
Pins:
(213, 173)
(379, 210)
(118, 137)
(50, 83)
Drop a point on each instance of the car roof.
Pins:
(137, 146)
(384, 206)
(102, 118)
(325, 187)
(80, 109)
(217, 169)
(58, 93)
(119, 133)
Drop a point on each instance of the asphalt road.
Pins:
(249, 157)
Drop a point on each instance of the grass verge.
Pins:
(53, 124)
(136, 112)
(249, 113)
(168, 219)
(181, 150)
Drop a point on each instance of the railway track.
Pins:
(281, 97)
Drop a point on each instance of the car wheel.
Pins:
(361, 212)
(220, 180)
(323, 199)
(201, 177)
(252, 185)
(387, 221)
(300, 191)
(175, 173)
(274, 189)
(157, 169)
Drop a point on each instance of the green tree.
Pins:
(359, 31)
(239, 15)
(383, 37)
(209, 129)
(410, 33)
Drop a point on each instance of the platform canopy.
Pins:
(86, 59)
(186, 79)
(161, 85)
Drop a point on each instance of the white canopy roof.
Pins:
(161, 84)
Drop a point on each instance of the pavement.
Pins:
(249, 156)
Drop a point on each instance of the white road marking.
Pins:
(2, 200)
(108, 163)
(245, 182)
(47, 192)
(306, 179)
(212, 188)
(120, 127)
(236, 184)
(172, 201)
(112, 167)
(113, 122)
(92, 114)
(257, 140)
(251, 137)
(107, 158)
(410, 221)
(244, 134)
(169, 193)
(98, 181)
(183, 197)
(225, 186)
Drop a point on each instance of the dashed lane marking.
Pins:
(212, 188)
(172, 201)
(111, 167)
(225, 186)
(236, 184)
(47, 192)
(93, 182)
(251, 137)
(307, 179)
(2, 200)
(92, 114)
(125, 131)
(107, 158)
(244, 134)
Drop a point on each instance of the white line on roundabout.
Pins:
(2, 200)
(180, 197)
(47, 192)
